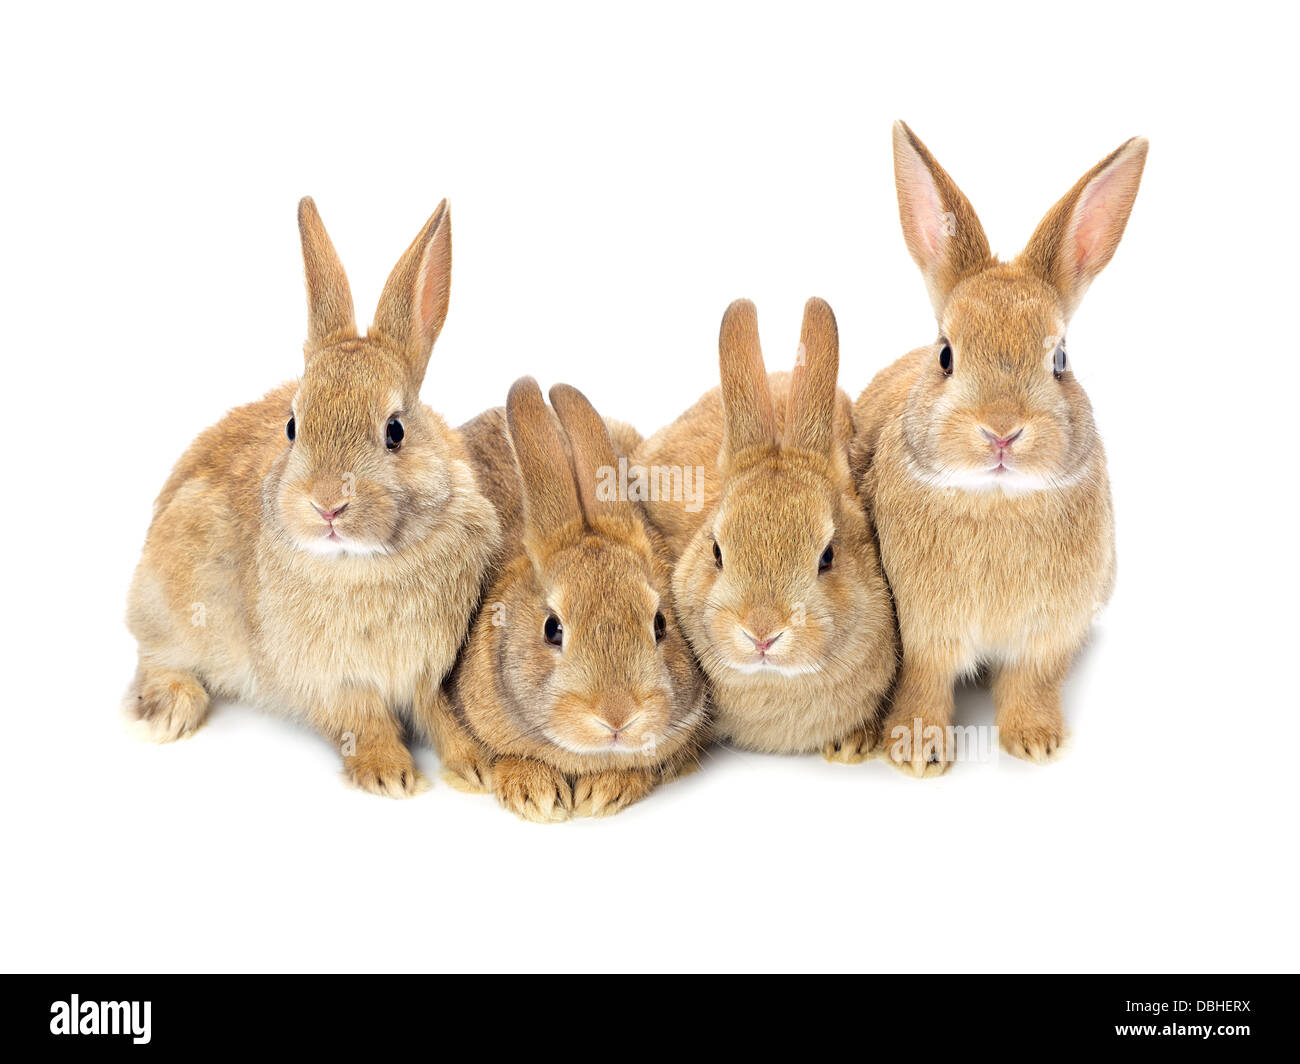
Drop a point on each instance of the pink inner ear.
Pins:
(430, 302)
(925, 208)
(427, 290)
(1099, 209)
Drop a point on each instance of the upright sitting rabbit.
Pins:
(576, 693)
(321, 551)
(778, 582)
(981, 464)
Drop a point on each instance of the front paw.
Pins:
(852, 748)
(167, 705)
(390, 773)
(1039, 740)
(532, 790)
(468, 772)
(917, 744)
(607, 793)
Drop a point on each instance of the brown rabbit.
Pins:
(778, 582)
(576, 693)
(981, 465)
(320, 551)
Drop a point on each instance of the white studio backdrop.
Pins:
(617, 176)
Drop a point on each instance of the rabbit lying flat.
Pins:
(321, 551)
(576, 693)
(778, 582)
(981, 464)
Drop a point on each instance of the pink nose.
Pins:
(329, 515)
(1002, 442)
(764, 645)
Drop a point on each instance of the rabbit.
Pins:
(777, 580)
(576, 693)
(320, 552)
(979, 460)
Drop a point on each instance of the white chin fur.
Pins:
(324, 547)
(594, 751)
(771, 669)
(985, 481)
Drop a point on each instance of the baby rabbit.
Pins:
(981, 465)
(576, 693)
(321, 551)
(778, 582)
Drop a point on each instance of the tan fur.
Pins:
(778, 490)
(1005, 568)
(524, 718)
(240, 594)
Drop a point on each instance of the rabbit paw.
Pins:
(1039, 740)
(168, 705)
(469, 772)
(389, 772)
(607, 793)
(852, 748)
(917, 745)
(532, 790)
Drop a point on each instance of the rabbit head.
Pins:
(997, 406)
(783, 579)
(365, 465)
(594, 671)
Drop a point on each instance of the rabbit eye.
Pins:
(290, 430)
(717, 553)
(945, 359)
(553, 631)
(661, 627)
(827, 559)
(1058, 361)
(394, 434)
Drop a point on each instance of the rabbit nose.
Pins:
(1002, 442)
(763, 625)
(616, 712)
(329, 515)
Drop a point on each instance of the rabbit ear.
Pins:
(942, 231)
(595, 464)
(414, 303)
(550, 501)
(1080, 234)
(329, 299)
(748, 420)
(814, 387)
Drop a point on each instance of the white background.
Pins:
(616, 179)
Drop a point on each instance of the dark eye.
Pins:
(717, 553)
(1058, 361)
(945, 359)
(661, 627)
(394, 434)
(827, 559)
(290, 430)
(553, 631)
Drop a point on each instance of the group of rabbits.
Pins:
(337, 552)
